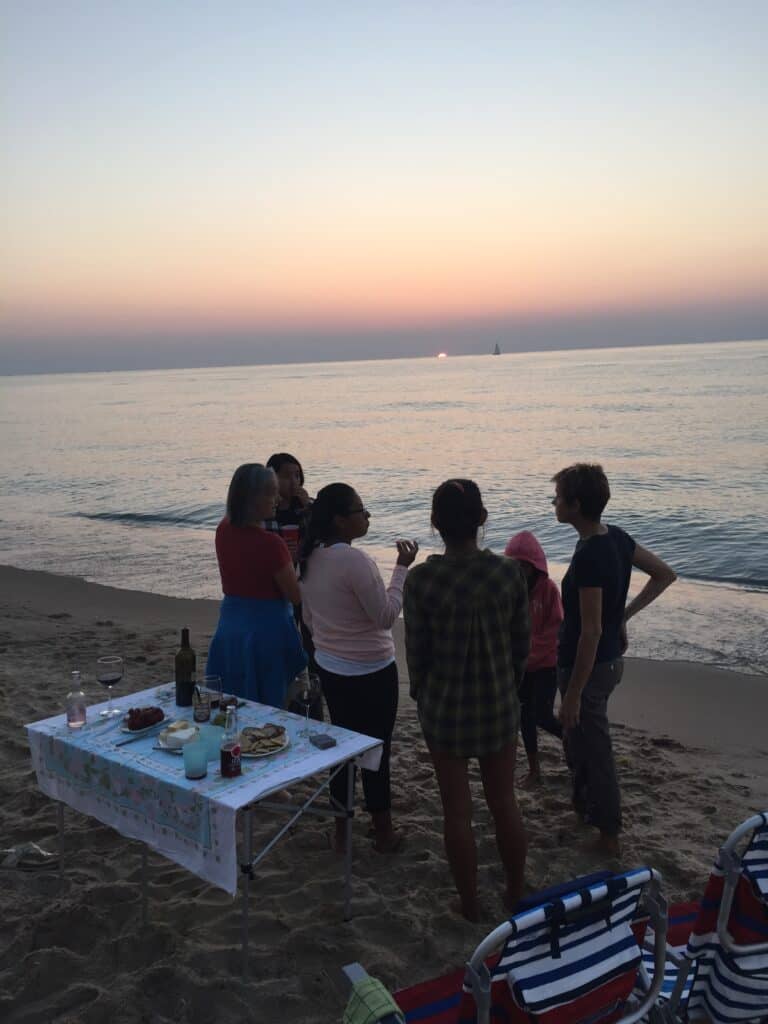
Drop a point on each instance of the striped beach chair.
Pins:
(573, 959)
(717, 957)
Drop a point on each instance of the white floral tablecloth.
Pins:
(143, 793)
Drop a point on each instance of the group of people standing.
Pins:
(488, 642)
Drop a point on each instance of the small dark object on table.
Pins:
(322, 740)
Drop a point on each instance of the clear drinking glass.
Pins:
(213, 685)
(308, 695)
(201, 705)
(109, 672)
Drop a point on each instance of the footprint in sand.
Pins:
(667, 743)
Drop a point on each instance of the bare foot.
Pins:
(471, 912)
(510, 900)
(531, 780)
(388, 842)
(605, 846)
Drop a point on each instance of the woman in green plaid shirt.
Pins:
(466, 640)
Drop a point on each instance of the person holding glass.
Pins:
(350, 612)
(256, 648)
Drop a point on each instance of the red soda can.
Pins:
(230, 760)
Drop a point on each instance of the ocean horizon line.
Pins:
(412, 357)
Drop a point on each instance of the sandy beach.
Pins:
(691, 747)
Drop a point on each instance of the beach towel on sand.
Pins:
(369, 1003)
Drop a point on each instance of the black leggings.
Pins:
(537, 698)
(366, 704)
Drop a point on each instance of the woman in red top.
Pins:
(256, 648)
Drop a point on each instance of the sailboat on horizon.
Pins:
(496, 350)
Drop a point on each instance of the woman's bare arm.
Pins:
(661, 575)
(287, 583)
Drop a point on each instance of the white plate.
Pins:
(269, 753)
(162, 745)
(139, 732)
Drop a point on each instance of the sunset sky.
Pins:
(202, 183)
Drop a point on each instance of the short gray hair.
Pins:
(249, 481)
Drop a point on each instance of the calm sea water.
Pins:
(121, 477)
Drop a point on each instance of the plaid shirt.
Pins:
(466, 641)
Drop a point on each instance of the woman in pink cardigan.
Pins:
(349, 613)
(537, 690)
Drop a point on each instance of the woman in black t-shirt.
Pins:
(593, 638)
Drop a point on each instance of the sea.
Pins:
(121, 477)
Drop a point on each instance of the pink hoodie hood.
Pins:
(545, 607)
(525, 548)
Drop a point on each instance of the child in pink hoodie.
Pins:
(537, 690)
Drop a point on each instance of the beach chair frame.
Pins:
(478, 976)
(731, 865)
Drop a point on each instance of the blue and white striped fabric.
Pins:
(729, 988)
(671, 970)
(732, 987)
(589, 952)
(755, 861)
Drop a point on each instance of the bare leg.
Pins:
(453, 780)
(386, 838)
(498, 775)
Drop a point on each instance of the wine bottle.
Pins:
(186, 663)
(76, 705)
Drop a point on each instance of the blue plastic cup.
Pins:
(196, 759)
(211, 736)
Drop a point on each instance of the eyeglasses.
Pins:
(355, 511)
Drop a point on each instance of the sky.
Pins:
(200, 183)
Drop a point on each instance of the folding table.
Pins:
(142, 791)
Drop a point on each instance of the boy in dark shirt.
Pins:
(593, 639)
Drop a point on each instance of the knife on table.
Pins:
(151, 731)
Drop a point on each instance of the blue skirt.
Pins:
(256, 649)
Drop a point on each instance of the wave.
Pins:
(197, 518)
(208, 516)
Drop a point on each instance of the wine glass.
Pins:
(109, 672)
(308, 695)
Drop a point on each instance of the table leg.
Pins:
(247, 870)
(60, 822)
(144, 900)
(348, 841)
